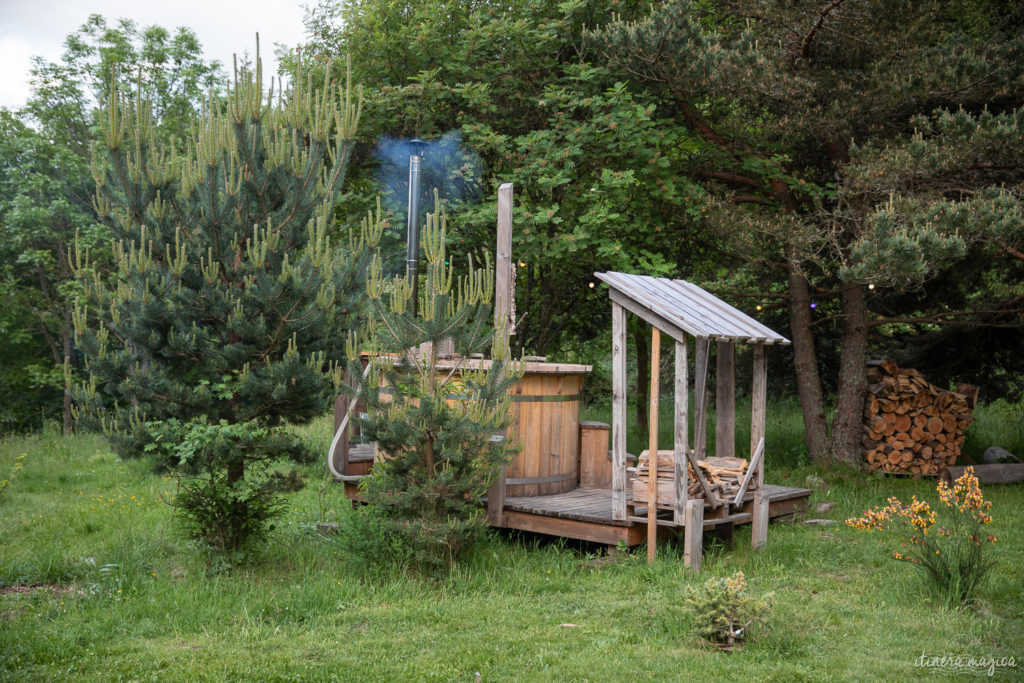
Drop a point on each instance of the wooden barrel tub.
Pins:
(546, 429)
(545, 426)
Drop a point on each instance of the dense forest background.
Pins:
(849, 172)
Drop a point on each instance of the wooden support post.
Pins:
(504, 298)
(700, 398)
(759, 524)
(682, 430)
(496, 500)
(759, 406)
(504, 294)
(725, 400)
(700, 421)
(693, 544)
(652, 449)
(618, 412)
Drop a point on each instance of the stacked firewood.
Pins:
(911, 426)
(723, 476)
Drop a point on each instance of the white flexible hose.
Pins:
(344, 424)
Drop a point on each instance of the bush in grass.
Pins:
(19, 462)
(724, 610)
(947, 545)
(438, 454)
(227, 514)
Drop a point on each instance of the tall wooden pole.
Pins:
(618, 412)
(504, 299)
(652, 449)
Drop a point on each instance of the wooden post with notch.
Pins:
(618, 412)
(652, 449)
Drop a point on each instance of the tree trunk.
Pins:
(805, 363)
(66, 333)
(846, 424)
(643, 375)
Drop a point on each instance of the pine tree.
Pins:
(434, 418)
(230, 297)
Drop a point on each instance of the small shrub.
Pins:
(19, 462)
(227, 494)
(950, 554)
(725, 611)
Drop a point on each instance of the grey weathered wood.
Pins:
(496, 500)
(693, 544)
(690, 308)
(504, 302)
(759, 405)
(618, 412)
(647, 315)
(759, 524)
(725, 400)
(1006, 473)
(652, 447)
(503, 291)
(681, 434)
(700, 420)
(752, 468)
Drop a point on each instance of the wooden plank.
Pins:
(693, 543)
(647, 315)
(618, 411)
(751, 327)
(652, 445)
(504, 295)
(681, 476)
(595, 466)
(759, 405)
(759, 533)
(755, 462)
(725, 400)
(569, 528)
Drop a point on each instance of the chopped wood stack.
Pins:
(723, 475)
(911, 426)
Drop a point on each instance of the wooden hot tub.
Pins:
(545, 427)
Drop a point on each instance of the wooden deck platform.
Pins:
(586, 514)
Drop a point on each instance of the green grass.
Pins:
(132, 600)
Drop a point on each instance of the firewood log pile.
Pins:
(911, 426)
(723, 475)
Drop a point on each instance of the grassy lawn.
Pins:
(123, 596)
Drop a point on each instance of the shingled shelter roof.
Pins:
(677, 307)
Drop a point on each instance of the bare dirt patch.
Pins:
(52, 589)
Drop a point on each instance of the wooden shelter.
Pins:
(565, 481)
(683, 310)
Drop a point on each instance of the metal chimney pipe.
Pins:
(412, 256)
